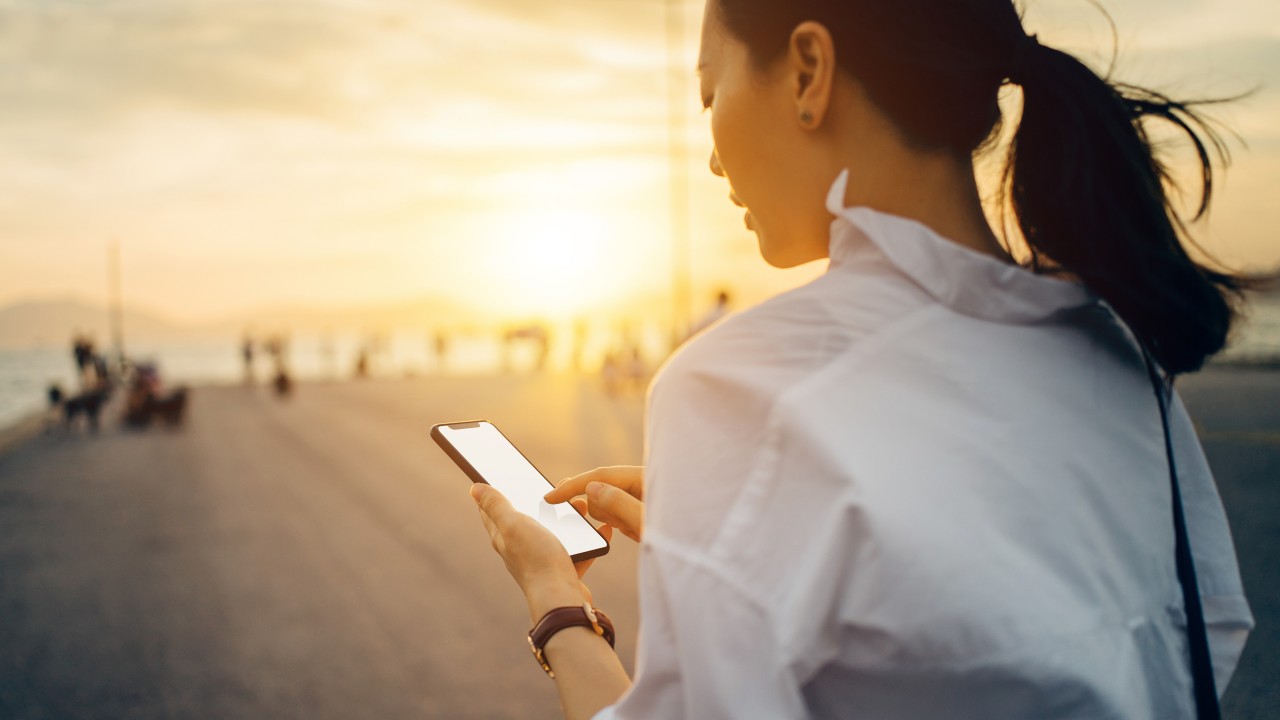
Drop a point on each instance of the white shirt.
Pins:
(926, 485)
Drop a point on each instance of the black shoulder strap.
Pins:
(1206, 693)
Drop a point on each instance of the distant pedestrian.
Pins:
(440, 345)
(362, 363)
(82, 353)
(277, 347)
(714, 315)
(246, 354)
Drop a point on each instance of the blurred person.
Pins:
(98, 372)
(328, 356)
(95, 386)
(278, 348)
(246, 354)
(713, 316)
(147, 401)
(611, 373)
(637, 370)
(362, 362)
(535, 334)
(542, 338)
(934, 482)
(581, 333)
(82, 353)
(440, 345)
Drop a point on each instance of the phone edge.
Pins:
(458, 458)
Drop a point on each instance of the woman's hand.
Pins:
(588, 674)
(533, 555)
(614, 496)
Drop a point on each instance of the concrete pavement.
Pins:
(319, 558)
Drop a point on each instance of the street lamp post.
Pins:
(116, 312)
(678, 169)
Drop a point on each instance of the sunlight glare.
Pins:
(552, 264)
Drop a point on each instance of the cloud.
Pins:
(227, 131)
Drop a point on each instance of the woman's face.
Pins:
(761, 148)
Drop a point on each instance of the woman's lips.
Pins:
(746, 217)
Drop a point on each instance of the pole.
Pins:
(678, 168)
(116, 309)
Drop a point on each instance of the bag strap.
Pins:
(1206, 694)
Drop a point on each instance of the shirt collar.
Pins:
(965, 280)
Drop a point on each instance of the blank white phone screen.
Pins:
(502, 465)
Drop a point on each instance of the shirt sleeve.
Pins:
(716, 657)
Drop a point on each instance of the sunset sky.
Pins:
(511, 152)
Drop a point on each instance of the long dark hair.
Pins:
(1089, 195)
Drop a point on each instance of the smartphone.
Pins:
(487, 456)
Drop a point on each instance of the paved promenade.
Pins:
(312, 559)
(319, 558)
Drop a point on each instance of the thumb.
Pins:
(491, 502)
(616, 507)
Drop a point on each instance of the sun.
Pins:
(552, 263)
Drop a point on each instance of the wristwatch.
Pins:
(567, 617)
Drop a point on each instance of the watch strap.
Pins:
(566, 617)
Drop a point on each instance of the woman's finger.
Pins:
(616, 507)
(493, 504)
(628, 478)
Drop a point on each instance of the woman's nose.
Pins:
(715, 165)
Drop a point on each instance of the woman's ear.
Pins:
(811, 62)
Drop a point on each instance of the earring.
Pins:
(806, 117)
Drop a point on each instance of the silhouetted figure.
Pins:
(95, 386)
(362, 363)
(101, 372)
(246, 354)
(718, 311)
(278, 348)
(536, 334)
(611, 373)
(83, 355)
(580, 332)
(328, 357)
(147, 401)
(636, 370)
(441, 345)
(283, 384)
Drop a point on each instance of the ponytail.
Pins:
(1082, 180)
(1091, 200)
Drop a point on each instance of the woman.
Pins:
(932, 483)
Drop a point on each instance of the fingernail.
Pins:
(557, 487)
(478, 490)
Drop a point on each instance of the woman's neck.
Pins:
(936, 189)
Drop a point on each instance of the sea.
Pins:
(27, 373)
